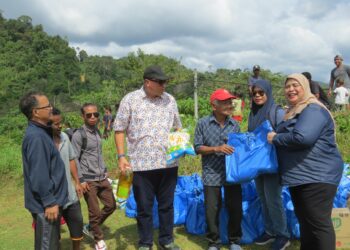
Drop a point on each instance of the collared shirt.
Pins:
(91, 165)
(67, 154)
(147, 122)
(210, 133)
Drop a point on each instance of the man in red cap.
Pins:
(210, 141)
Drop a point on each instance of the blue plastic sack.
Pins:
(342, 195)
(252, 222)
(253, 155)
(131, 209)
(292, 221)
(195, 221)
(180, 208)
(249, 191)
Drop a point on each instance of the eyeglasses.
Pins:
(89, 115)
(259, 92)
(160, 82)
(45, 107)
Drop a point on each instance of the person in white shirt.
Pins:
(342, 95)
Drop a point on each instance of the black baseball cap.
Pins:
(256, 67)
(155, 72)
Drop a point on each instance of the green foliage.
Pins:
(342, 120)
(32, 60)
(72, 120)
(186, 106)
(11, 157)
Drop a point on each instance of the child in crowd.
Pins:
(342, 95)
(238, 105)
(107, 122)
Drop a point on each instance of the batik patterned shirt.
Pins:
(147, 123)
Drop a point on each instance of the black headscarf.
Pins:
(259, 113)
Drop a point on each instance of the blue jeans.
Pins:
(269, 192)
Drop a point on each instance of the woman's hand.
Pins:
(270, 136)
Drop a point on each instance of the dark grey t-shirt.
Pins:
(342, 72)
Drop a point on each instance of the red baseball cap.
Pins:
(221, 95)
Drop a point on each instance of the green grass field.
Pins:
(120, 232)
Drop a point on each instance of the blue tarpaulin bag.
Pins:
(180, 208)
(195, 220)
(253, 155)
(131, 209)
(252, 222)
(341, 198)
(292, 221)
(249, 191)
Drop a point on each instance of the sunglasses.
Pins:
(45, 107)
(160, 82)
(89, 115)
(259, 92)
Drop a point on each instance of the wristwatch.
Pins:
(120, 156)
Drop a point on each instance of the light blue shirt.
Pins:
(67, 154)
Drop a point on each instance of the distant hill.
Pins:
(30, 59)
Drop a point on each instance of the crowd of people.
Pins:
(58, 170)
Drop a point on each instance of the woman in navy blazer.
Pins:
(310, 162)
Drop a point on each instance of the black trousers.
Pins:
(147, 185)
(47, 234)
(233, 203)
(74, 219)
(313, 207)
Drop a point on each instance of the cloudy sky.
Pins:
(283, 36)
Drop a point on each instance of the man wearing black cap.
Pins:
(146, 116)
(340, 71)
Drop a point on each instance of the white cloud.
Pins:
(284, 36)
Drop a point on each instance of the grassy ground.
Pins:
(120, 231)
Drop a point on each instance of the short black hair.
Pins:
(28, 102)
(87, 104)
(307, 75)
(108, 108)
(56, 111)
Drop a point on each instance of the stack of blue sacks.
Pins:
(189, 208)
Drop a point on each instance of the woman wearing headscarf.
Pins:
(268, 185)
(309, 161)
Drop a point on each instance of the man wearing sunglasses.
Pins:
(45, 183)
(93, 174)
(146, 116)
